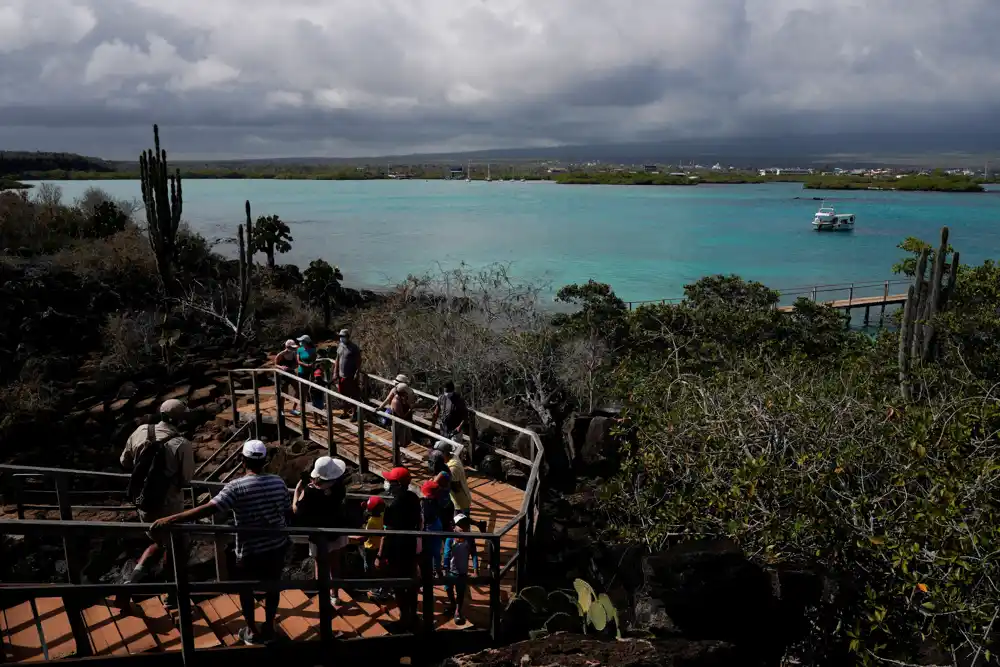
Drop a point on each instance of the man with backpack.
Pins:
(161, 461)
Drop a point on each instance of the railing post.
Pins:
(257, 418)
(362, 461)
(186, 621)
(850, 298)
(519, 569)
(331, 446)
(17, 487)
(427, 578)
(232, 398)
(74, 610)
(885, 299)
(219, 548)
(473, 429)
(397, 430)
(304, 408)
(325, 607)
(494, 587)
(279, 401)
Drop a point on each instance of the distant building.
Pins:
(557, 170)
(650, 168)
(456, 172)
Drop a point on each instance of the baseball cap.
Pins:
(290, 344)
(459, 517)
(344, 333)
(401, 475)
(304, 338)
(402, 379)
(328, 468)
(254, 449)
(429, 488)
(374, 502)
(443, 447)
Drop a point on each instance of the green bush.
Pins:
(788, 435)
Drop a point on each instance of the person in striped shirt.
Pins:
(256, 500)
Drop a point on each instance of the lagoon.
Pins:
(647, 242)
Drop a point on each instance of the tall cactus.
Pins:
(164, 201)
(927, 297)
(246, 277)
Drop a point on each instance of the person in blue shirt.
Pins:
(457, 551)
(306, 356)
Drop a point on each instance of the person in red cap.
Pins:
(374, 511)
(397, 556)
(430, 507)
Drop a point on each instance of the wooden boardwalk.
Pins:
(39, 629)
(858, 302)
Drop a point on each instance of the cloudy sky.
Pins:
(255, 78)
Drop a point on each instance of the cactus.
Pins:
(926, 298)
(164, 201)
(537, 613)
(585, 594)
(536, 597)
(245, 276)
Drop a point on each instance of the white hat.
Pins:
(402, 379)
(328, 468)
(254, 449)
(344, 333)
(460, 517)
(290, 344)
(172, 406)
(304, 338)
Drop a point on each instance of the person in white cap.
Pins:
(288, 360)
(457, 551)
(161, 461)
(347, 371)
(318, 502)
(401, 400)
(256, 500)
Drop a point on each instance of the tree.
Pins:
(106, 219)
(271, 235)
(322, 286)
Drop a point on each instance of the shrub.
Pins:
(131, 341)
(123, 257)
(788, 435)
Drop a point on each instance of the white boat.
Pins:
(827, 219)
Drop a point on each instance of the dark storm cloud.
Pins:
(283, 77)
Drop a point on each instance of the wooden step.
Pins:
(29, 636)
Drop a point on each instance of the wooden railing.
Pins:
(849, 290)
(77, 595)
(526, 517)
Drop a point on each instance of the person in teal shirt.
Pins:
(306, 355)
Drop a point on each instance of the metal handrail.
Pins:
(791, 291)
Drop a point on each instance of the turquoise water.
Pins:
(647, 242)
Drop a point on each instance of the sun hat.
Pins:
(328, 468)
(402, 379)
(172, 406)
(304, 338)
(290, 344)
(254, 449)
(400, 474)
(374, 502)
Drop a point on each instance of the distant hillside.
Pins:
(21, 165)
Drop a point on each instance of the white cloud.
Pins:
(515, 71)
(115, 62)
(28, 23)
